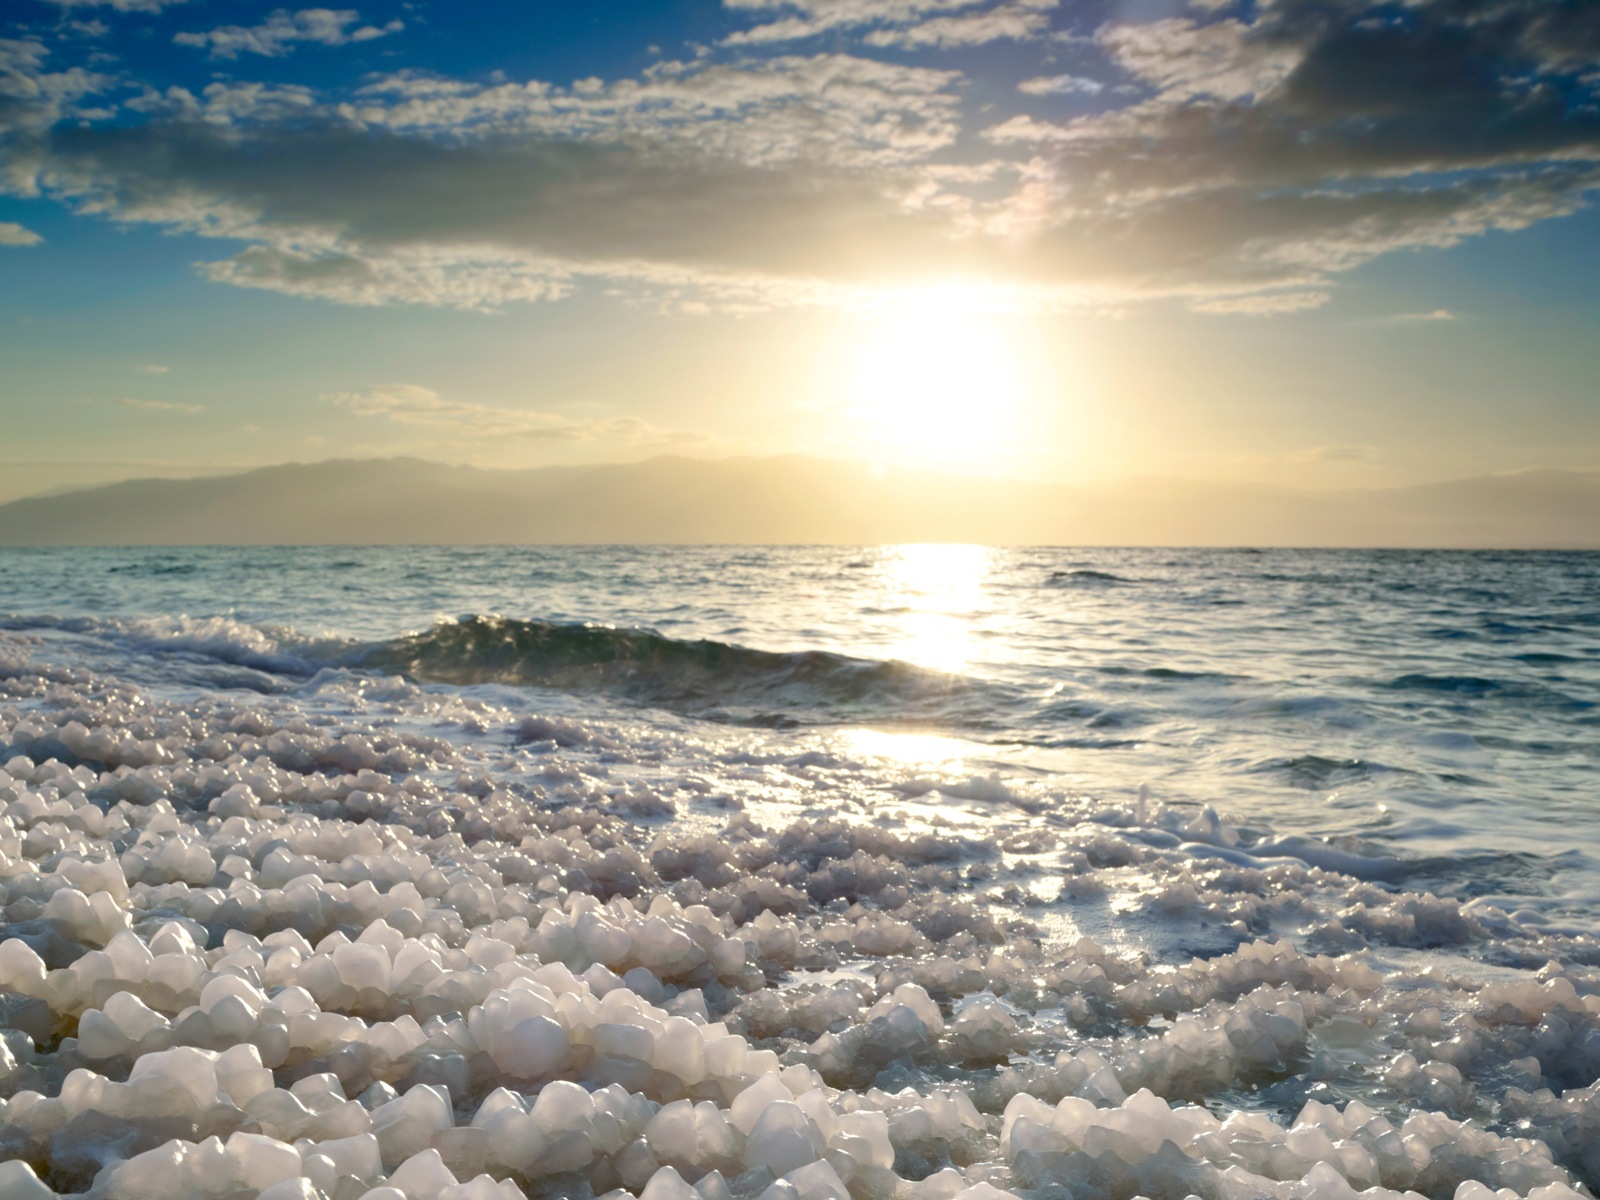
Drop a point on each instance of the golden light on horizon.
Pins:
(941, 378)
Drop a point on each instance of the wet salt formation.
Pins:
(507, 908)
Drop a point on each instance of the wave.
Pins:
(155, 569)
(1476, 688)
(1167, 673)
(1314, 772)
(1084, 577)
(698, 677)
(643, 665)
(277, 650)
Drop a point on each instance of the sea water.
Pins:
(973, 840)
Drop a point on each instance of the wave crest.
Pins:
(647, 666)
(1084, 577)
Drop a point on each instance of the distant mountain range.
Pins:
(788, 499)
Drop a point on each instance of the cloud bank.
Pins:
(424, 410)
(1236, 164)
(894, 22)
(121, 6)
(277, 35)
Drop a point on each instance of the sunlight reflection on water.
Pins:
(935, 589)
(921, 749)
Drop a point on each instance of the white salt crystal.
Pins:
(422, 1176)
(667, 1184)
(408, 1124)
(262, 1161)
(782, 1139)
(533, 1048)
(561, 1106)
(298, 1188)
(18, 1182)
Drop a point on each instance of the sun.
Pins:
(942, 377)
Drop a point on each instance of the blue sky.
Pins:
(1323, 243)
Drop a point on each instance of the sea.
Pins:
(1436, 709)
(703, 872)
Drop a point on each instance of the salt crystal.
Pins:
(18, 1182)
(535, 1047)
(261, 1161)
(298, 1188)
(782, 1139)
(561, 1106)
(422, 1176)
(667, 1184)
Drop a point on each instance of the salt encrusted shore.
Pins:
(302, 946)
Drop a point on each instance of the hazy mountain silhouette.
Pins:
(788, 499)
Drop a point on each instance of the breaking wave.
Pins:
(647, 666)
(703, 677)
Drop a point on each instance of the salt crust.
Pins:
(253, 953)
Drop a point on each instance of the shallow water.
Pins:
(1440, 705)
(963, 864)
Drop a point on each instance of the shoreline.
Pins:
(365, 956)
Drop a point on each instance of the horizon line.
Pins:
(872, 468)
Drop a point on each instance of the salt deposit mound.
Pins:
(367, 941)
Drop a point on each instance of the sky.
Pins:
(1310, 243)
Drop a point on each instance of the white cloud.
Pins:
(853, 12)
(152, 369)
(229, 103)
(718, 177)
(1435, 316)
(443, 277)
(1061, 85)
(125, 6)
(1184, 59)
(162, 406)
(424, 409)
(32, 97)
(909, 23)
(790, 29)
(1255, 161)
(829, 107)
(12, 234)
(1260, 305)
(811, 18)
(1017, 22)
(1277, 153)
(275, 36)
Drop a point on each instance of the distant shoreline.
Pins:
(792, 500)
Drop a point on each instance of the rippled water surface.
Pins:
(1438, 706)
(993, 854)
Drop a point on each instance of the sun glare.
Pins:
(935, 589)
(942, 379)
